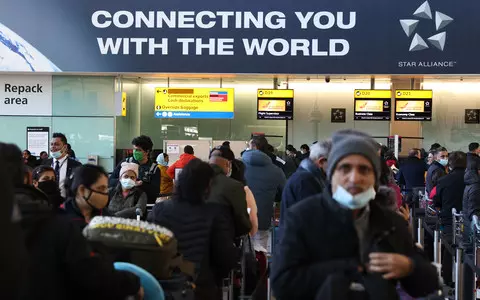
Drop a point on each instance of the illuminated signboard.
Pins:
(275, 104)
(413, 105)
(372, 105)
(194, 103)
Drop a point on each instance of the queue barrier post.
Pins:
(459, 274)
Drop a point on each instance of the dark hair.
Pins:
(155, 153)
(238, 171)
(226, 144)
(305, 146)
(11, 159)
(38, 171)
(143, 142)
(165, 155)
(28, 152)
(413, 152)
(193, 182)
(43, 152)
(436, 177)
(69, 147)
(457, 160)
(260, 142)
(385, 172)
(270, 148)
(291, 148)
(473, 146)
(27, 173)
(188, 150)
(438, 150)
(61, 136)
(435, 146)
(225, 152)
(85, 175)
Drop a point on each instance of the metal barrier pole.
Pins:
(421, 232)
(459, 274)
(436, 252)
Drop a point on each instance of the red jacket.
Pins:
(184, 159)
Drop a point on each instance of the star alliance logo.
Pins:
(437, 40)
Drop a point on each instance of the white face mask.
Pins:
(344, 198)
(127, 183)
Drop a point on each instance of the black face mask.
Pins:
(50, 188)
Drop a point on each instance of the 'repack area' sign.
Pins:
(214, 36)
(25, 95)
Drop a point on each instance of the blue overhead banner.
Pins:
(237, 36)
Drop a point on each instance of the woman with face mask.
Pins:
(87, 194)
(127, 199)
(166, 183)
(43, 178)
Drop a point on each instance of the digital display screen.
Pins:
(275, 104)
(372, 105)
(413, 105)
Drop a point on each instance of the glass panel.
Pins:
(14, 129)
(89, 136)
(83, 96)
(448, 128)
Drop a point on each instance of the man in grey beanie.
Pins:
(343, 235)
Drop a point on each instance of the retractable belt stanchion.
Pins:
(437, 246)
(420, 232)
(459, 274)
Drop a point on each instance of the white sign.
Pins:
(37, 140)
(173, 149)
(25, 95)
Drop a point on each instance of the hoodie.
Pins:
(184, 159)
(471, 195)
(266, 181)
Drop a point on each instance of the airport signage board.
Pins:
(25, 95)
(194, 103)
(275, 104)
(372, 105)
(413, 105)
(213, 36)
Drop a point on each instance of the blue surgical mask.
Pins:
(57, 154)
(127, 183)
(443, 162)
(344, 198)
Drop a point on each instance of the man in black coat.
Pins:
(473, 158)
(343, 236)
(61, 163)
(412, 171)
(309, 179)
(437, 168)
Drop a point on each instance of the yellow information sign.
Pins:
(373, 94)
(124, 104)
(275, 94)
(414, 94)
(194, 103)
(271, 105)
(369, 106)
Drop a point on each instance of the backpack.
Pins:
(144, 244)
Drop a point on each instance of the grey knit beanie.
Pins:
(345, 144)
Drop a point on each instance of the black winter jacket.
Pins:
(473, 161)
(450, 194)
(471, 195)
(229, 192)
(60, 263)
(435, 167)
(205, 235)
(412, 173)
(320, 241)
